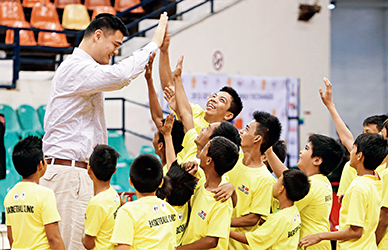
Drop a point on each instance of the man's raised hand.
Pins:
(160, 30)
(327, 97)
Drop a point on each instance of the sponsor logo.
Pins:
(16, 197)
(156, 208)
(163, 207)
(180, 216)
(202, 214)
(22, 196)
(243, 189)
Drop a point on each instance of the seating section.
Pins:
(11, 120)
(61, 4)
(41, 112)
(31, 3)
(122, 5)
(103, 9)
(29, 121)
(75, 17)
(92, 4)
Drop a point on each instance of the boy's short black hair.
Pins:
(269, 128)
(103, 162)
(27, 154)
(385, 125)
(182, 184)
(177, 134)
(280, 150)
(296, 183)
(108, 23)
(224, 154)
(374, 149)
(236, 105)
(328, 150)
(229, 131)
(375, 119)
(146, 173)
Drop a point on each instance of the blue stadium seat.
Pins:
(29, 121)
(11, 120)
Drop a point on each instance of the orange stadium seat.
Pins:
(103, 9)
(52, 39)
(11, 12)
(61, 4)
(121, 5)
(92, 4)
(75, 17)
(27, 37)
(31, 3)
(43, 13)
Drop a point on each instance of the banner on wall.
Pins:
(276, 95)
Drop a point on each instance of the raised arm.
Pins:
(165, 72)
(183, 105)
(165, 129)
(156, 110)
(276, 164)
(344, 133)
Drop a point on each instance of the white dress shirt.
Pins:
(75, 119)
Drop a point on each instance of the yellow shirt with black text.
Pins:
(147, 223)
(28, 208)
(384, 241)
(279, 232)
(182, 219)
(361, 207)
(100, 218)
(315, 209)
(208, 217)
(254, 188)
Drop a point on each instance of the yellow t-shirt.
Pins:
(383, 245)
(208, 217)
(100, 218)
(361, 207)
(182, 213)
(349, 174)
(315, 209)
(279, 232)
(189, 150)
(198, 117)
(147, 223)
(254, 188)
(28, 208)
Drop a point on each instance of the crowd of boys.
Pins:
(212, 187)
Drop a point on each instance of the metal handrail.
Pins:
(123, 127)
(17, 47)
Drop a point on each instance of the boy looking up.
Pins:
(318, 159)
(359, 214)
(281, 230)
(30, 209)
(222, 106)
(251, 177)
(148, 222)
(210, 219)
(101, 210)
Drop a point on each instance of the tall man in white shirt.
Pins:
(75, 121)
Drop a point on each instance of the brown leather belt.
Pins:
(65, 162)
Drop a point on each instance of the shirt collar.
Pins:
(83, 54)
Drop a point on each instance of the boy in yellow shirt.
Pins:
(360, 209)
(148, 222)
(222, 106)
(30, 209)
(281, 229)
(251, 177)
(210, 219)
(101, 210)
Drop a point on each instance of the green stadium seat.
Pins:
(11, 120)
(41, 112)
(120, 178)
(145, 149)
(29, 121)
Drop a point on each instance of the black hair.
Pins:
(296, 183)
(374, 149)
(27, 154)
(375, 119)
(236, 105)
(229, 131)
(385, 125)
(328, 150)
(146, 173)
(177, 134)
(280, 150)
(103, 162)
(269, 128)
(182, 184)
(224, 154)
(108, 23)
